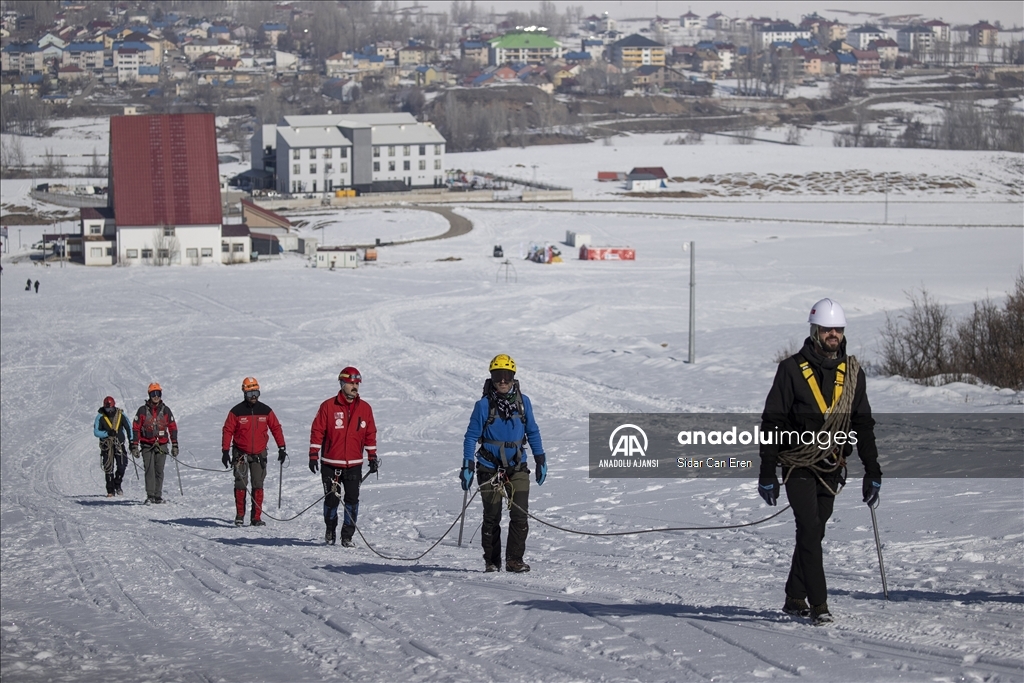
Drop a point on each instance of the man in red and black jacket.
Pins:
(153, 428)
(247, 426)
(342, 429)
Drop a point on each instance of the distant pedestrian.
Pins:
(342, 429)
(154, 428)
(37, 286)
(112, 428)
(28, 285)
(245, 433)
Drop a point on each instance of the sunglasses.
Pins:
(832, 329)
(502, 377)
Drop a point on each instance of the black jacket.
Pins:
(791, 405)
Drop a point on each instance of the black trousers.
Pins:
(812, 506)
(348, 480)
(114, 461)
(518, 485)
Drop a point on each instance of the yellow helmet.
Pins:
(250, 384)
(502, 362)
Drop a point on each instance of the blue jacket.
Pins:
(509, 431)
(102, 426)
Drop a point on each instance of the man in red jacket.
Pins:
(154, 427)
(342, 429)
(247, 426)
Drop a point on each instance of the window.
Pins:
(296, 169)
(327, 152)
(296, 154)
(391, 166)
(165, 253)
(437, 164)
(376, 151)
(96, 252)
(95, 229)
(168, 231)
(329, 185)
(191, 253)
(225, 247)
(132, 253)
(344, 166)
(237, 248)
(344, 152)
(312, 152)
(296, 186)
(423, 164)
(405, 165)
(406, 150)
(312, 169)
(423, 150)
(376, 166)
(437, 149)
(328, 168)
(207, 252)
(147, 253)
(391, 151)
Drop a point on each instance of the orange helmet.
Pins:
(250, 384)
(154, 387)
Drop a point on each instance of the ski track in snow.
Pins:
(98, 589)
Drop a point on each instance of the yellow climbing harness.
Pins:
(805, 367)
(114, 428)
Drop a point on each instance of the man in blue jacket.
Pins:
(501, 425)
(112, 428)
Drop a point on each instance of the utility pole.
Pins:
(691, 247)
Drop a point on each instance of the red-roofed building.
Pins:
(165, 188)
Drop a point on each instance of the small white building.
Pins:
(336, 257)
(235, 243)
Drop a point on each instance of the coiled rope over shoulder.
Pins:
(825, 461)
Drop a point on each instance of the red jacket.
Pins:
(247, 425)
(340, 432)
(154, 424)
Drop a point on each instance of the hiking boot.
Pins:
(158, 501)
(118, 491)
(329, 537)
(110, 495)
(149, 500)
(239, 520)
(257, 522)
(492, 568)
(517, 566)
(347, 543)
(820, 615)
(796, 607)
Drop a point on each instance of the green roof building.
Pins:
(526, 47)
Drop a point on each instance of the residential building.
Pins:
(414, 55)
(225, 48)
(339, 64)
(635, 51)
(86, 56)
(862, 36)
(475, 52)
(888, 50)
(779, 32)
(369, 152)
(868, 62)
(983, 34)
(915, 41)
(690, 20)
(273, 31)
(23, 58)
(164, 188)
(524, 48)
(719, 22)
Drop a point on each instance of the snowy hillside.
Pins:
(97, 589)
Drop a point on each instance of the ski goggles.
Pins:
(156, 394)
(502, 377)
(251, 395)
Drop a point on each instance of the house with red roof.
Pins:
(164, 188)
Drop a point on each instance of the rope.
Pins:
(837, 419)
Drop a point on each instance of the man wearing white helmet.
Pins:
(819, 390)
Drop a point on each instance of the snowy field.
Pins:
(99, 590)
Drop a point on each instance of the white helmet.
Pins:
(827, 313)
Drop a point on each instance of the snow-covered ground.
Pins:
(97, 590)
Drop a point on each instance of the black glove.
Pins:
(541, 473)
(374, 464)
(174, 450)
(314, 465)
(768, 488)
(872, 485)
(281, 454)
(225, 458)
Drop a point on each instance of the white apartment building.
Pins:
(324, 153)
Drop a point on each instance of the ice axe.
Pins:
(462, 516)
(178, 471)
(279, 479)
(878, 547)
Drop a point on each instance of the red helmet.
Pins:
(350, 376)
(108, 402)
